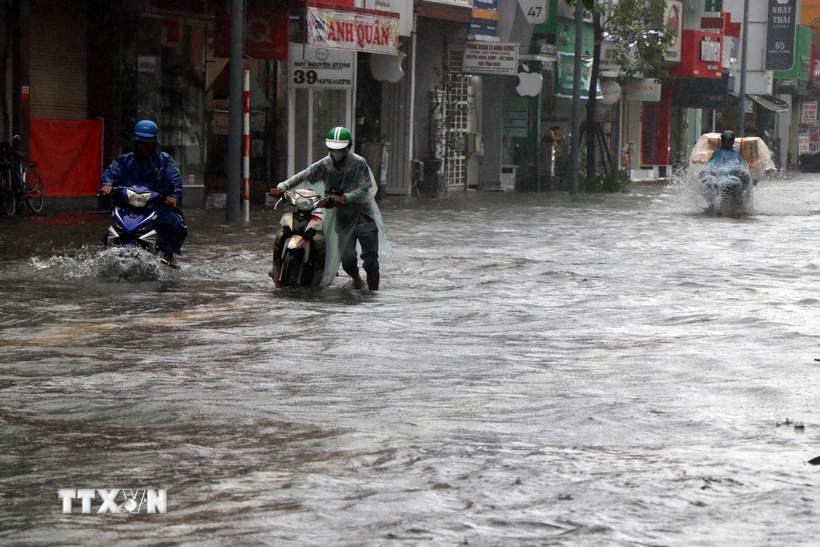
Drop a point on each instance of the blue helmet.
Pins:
(146, 130)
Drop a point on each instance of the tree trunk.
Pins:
(589, 126)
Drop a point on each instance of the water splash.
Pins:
(92, 262)
(683, 189)
(688, 196)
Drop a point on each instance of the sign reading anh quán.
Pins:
(361, 30)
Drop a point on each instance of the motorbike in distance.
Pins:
(299, 249)
(726, 188)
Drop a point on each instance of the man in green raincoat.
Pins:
(355, 216)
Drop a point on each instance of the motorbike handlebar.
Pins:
(329, 200)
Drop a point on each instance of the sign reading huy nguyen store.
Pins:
(780, 29)
(360, 30)
(320, 68)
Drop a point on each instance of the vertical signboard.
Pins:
(484, 18)
(808, 114)
(674, 22)
(782, 22)
(402, 7)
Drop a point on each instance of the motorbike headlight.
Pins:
(137, 200)
(304, 204)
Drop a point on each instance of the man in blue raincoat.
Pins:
(355, 216)
(149, 166)
(728, 159)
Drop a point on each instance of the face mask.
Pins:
(338, 155)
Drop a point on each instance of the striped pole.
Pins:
(246, 148)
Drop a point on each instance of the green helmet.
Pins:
(338, 138)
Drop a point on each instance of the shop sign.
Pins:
(266, 34)
(484, 18)
(491, 58)
(516, 117)
(710, 15)
(780, 30)
(171, 33)
(674, 22)
(700, 92)
(362, 30)
(402, 7)
(808, 113)
(609, 58)
(320, 68)
(803, 143)
(646, 90)
(701, 56)
(565, 77)
(146, 65)
(459, 3)
(611, 92)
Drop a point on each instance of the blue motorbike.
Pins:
(726, 188)
(133, 216)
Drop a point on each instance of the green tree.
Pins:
(641, 39)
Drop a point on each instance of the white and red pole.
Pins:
(246, 148)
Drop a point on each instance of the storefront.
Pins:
(164, 81)
(793, 86)
(163, 53)
(322, 74)
(698, 83)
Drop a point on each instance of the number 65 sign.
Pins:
(534, 10)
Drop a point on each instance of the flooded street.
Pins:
(610, 370)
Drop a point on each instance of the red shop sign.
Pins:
(701, 56)
(266, 34)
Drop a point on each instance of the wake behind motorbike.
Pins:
(133, 218)
(299, 249)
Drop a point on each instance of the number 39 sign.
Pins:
(320, 68)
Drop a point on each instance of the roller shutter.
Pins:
(59, 57)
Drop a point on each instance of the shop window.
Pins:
(164, 68)
(329, 111)
(458, 109)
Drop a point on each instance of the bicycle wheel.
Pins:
(8, 197)
(34, 190)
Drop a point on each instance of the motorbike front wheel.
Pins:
(291, 268)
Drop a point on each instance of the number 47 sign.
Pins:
(534, 10)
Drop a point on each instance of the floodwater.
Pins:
(536, 370)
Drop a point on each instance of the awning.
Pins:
(772, 103)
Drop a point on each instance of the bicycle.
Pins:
(18, 178)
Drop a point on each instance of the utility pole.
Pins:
(744, 48)
(235, 108)
(575, 144)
